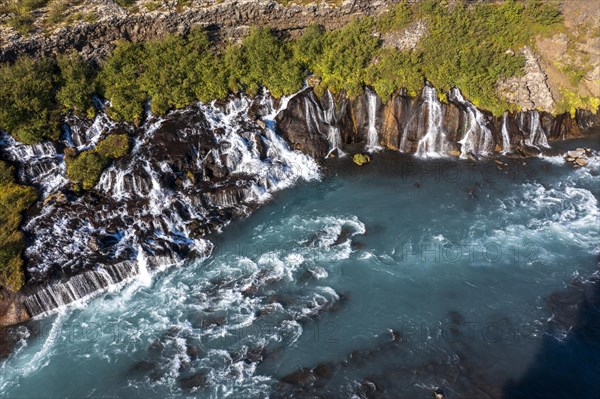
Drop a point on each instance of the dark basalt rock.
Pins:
(304, 376)
(402, 121)
(304, 132)
(195, 381)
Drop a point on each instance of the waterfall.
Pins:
(82, 135)
(434, 142)
(82, 286)
(505, 134)
(188, 173)
(39, 164)
(478, 138)
(372, 134)
(333, 137)
(537, 137)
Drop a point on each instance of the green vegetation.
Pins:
(125, 3)
(361, 159)
(36, 92)
(467, 46)
(14, 199)
(28, 108)
(21, 13)
(77, 88)
(86, 167)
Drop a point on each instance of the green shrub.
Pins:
(78, 85)
(396, 18)
(125, 3)
(120, 82)
(346, 54)
(267, 62)
(14, 199)
(393, 70)
(114, 146)
(308, 48)
(543, 12)
(28, 109)
(87, 167)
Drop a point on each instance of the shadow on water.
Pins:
(567, 368)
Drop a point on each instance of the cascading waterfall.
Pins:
(505, 134)
(537, 137)
(434, 143)
(478, 138)
(334, 137)
(39, 164)
(184, 173)
(78, 134)
(372, 133)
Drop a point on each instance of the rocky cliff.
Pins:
(422, 125)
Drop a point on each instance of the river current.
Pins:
(386, 280)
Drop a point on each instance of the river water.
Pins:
(386, 280)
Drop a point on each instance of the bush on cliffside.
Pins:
(87, 167)
(14, 199)
(77, 85)
(34, 94)
(27, 107)
(467, 46)
(346, 54)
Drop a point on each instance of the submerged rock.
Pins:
(193, 382)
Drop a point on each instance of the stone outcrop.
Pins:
(407, 38)
(530, 91)
(12, 310)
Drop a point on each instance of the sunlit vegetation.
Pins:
(20, 13)
(14, 199)
(470, 47)
(85, 168)
(35, 93)
(28, 109)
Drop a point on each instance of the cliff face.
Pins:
(422, 125)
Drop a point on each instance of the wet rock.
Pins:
(93, 244)
(576, 153)
(438, 394)
(255, 355)
(455, 317)
(304, 376)
(193, 382)
(193, 352)
(143, 366)
(323, 370)
(581, 162)
(156, 346)
(294, 126)
(57, 198)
